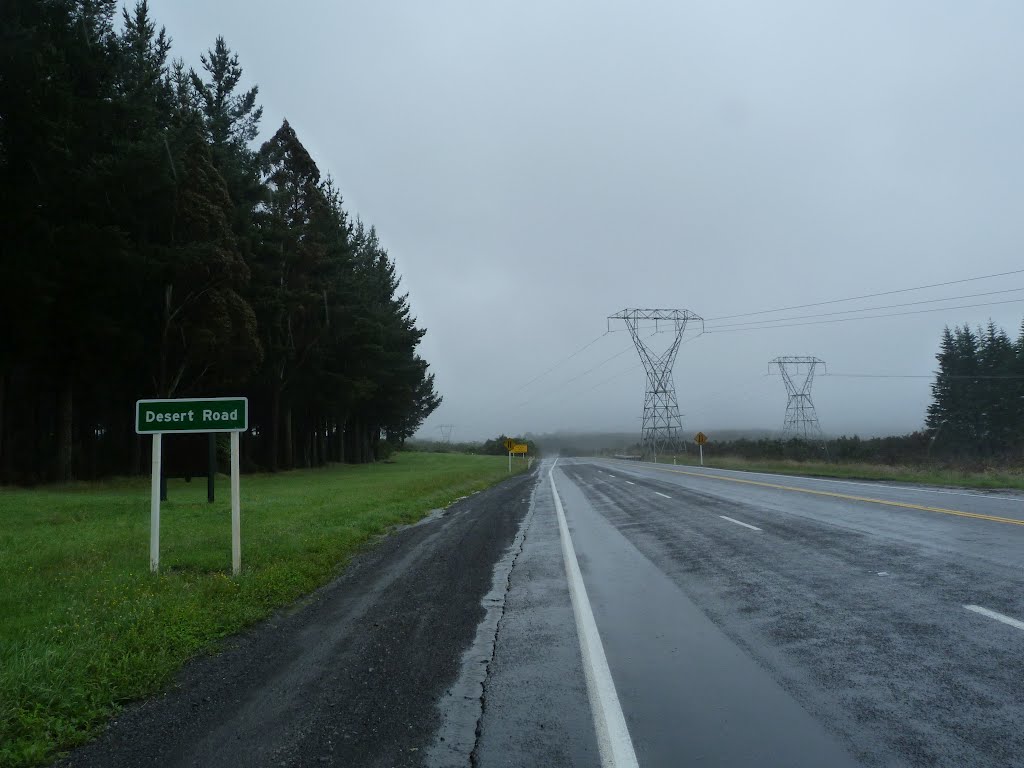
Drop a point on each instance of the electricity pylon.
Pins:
(446, 432)
(662, 430)
(798, 376)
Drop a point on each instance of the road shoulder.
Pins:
(348, 677)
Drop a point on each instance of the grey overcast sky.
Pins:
(533, 167)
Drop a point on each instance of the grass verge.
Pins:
(990, 479)
(85, 627)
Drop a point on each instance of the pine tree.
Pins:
(995, 392)
(150, 250)
(207, 330)
(943, 407)
(978, 394)
(230, 119)
(287, 293)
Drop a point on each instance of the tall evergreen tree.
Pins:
(150, 250)
(288, 295)
(977, 405)
(231, 120)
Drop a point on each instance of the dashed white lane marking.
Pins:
(663, 494)
(745, 525)
(610, 474)
(997, 616)
(630, 482)
(613, 741)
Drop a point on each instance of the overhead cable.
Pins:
(868, 295)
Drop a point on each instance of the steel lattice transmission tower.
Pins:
(662, 425)
(446, 432)
(798, 376)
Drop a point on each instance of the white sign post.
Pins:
(214, 414)
(700, 438)
(154, 508)
(236, 509)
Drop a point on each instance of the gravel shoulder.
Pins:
(349, 676)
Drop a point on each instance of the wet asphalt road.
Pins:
(767, 620)
(746, 620)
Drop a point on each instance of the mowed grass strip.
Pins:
(992, 479)
(85, 627)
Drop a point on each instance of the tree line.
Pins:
(494, 446)
(976, 412)
(151, 250)
(977, 404)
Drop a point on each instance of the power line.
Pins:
(580, 376)
(869, 309)
(636, 367)
(868, 295)
(920, 376)
(620, 354)
(865, 317)
(612, 378)
(604, 362)
(563, 361)
(591, 370)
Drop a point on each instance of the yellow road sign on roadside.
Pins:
(700, 438)
(519, 448)
(509, 442)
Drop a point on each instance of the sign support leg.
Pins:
(702, 455)
(211, 465)
(236, 510)
(154, 508)
(510, 462)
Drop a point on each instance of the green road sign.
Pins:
(214, 414)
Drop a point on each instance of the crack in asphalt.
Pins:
(517, 547)
(456, 741)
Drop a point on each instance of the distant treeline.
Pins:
(492, 447)
(898, 449)
(977, 404)
(150, 250)
(976, 414)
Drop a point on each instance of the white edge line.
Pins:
(997, 616)
(663, 494)
(613, 741)
(738, 522)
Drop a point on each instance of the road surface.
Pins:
(599, 612)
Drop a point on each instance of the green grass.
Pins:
(85, 627)
(929, 475)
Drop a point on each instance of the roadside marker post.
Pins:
(700, 438)
(213, 414)
(508, 443)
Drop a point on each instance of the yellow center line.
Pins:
(846, 496)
